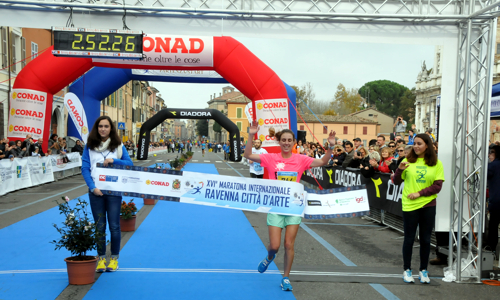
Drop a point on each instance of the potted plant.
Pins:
(78, 235)
(174, 164)
(127, 215)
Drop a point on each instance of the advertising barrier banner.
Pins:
(382, 193)
(61, 162)
(40, 170)
(23, 173)
(266, 196)
(27, 113)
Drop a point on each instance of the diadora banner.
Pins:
(77, 114)
(271, 113)
(382, 193)
(27, 113)
(266, 196)
(172, 51)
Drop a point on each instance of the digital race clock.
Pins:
(89, 42)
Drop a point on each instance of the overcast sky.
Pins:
(323, 64)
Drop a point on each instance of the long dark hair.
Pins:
(278, 134)
(430, 156)
(94, 139)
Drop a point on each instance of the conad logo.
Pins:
(259, 106)
(261, 122)
(26, 112)
(262, 137)
(28, 96)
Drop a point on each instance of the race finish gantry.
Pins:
(467, 30)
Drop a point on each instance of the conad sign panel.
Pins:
(27, 113)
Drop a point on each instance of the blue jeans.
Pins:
(107, 207)
(424, 218)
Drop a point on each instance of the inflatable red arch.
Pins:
(231, 59)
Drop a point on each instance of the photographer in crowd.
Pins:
(400, 126)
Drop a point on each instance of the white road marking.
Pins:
(206, 161)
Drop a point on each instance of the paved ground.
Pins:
(341, 247)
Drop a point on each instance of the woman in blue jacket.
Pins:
(104, 146)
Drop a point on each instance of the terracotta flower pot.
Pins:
(149, 201)
(128, 224)
(81, 272)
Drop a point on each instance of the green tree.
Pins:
(346, 101)
(330, 112)
(202, 127)
(385, 95)
(408, 107)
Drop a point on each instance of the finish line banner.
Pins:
(266, 196)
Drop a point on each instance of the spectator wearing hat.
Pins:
(357, 143)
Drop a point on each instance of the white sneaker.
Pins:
(407, 277)
(424, 276)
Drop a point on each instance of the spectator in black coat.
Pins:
(78, 147)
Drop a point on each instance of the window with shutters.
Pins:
(3, 36)
(34, 50)
(120, 99)
(325, 129)
(365, 130)
(345, 130)
(23, 52)
(301, 127)
(239, 125)
(238, 113)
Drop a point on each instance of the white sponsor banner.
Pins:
(271, 113)
(67, 161)
(40, 170)
(22, 178)
(266, 196)
(177, 73)
(77, 114)
(172, 51)
(27, 113)
(337, 203)
(7, 173)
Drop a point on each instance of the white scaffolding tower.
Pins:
(475, 19)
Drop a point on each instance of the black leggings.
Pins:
(423, 218)
(493, 229)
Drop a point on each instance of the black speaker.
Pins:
(301, 136)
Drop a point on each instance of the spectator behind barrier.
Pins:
(78, 147)
(381, 141)
(386, 161)
(373, 159)
(349, 149)
(338, 156)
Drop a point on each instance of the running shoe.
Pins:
(285, 284)
(101, 265)
(407, 277)
(113, 265)
(424, 276)
(264, 264)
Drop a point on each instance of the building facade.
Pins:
(385, 122)
(347, 127)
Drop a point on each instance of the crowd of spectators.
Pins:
(29, 147)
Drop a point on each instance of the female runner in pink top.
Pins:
(283, 166)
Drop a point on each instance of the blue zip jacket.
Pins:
(86, 165)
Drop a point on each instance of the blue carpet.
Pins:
(185, 251)
(26, 246)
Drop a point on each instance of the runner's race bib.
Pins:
(286, 176)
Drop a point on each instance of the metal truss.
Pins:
(380, 11)
(471, 140)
